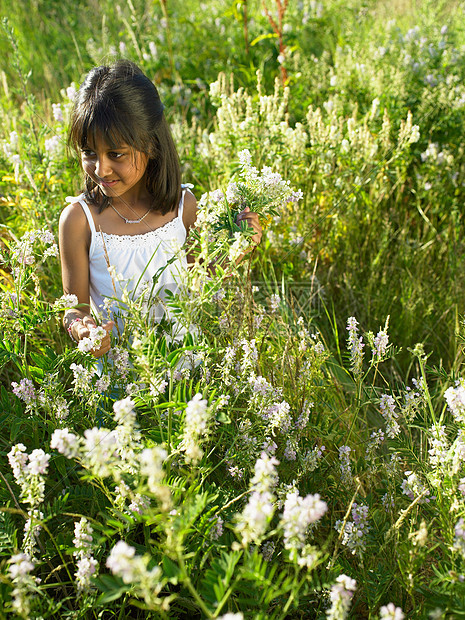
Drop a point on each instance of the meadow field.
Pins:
(300, 452)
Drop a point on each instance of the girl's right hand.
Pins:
(81, 329)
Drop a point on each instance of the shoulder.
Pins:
(73, 222)
(73, 213)
(189, 214)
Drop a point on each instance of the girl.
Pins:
(134, 214)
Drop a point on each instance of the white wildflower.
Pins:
(391, 612)
(341, 596)
(65, 442)
(196, 423)
(356, 345)
(298, 514)
(387, 407)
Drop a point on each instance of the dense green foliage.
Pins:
(360, 105)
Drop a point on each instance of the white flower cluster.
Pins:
(151, 466)
(256, 119)
(216, 529)
(66, 443)
(86, 564)
(279, 417)
(82, 378)
(414, 488)
(253, 521)
(10, 148)
(100, 451)
(120, 358)
(409, 132)
(298, 514)
(311, 460)
(29, 471)
(413, 400)
(269, 186)
(459, 536)
(102, 383)
(264, 192)
(381, 343)
(439, 451)
(53, 146)
(124, 412)
(344, 465)
(113, 453)
(25, 391)
(23, 251)
(237, 249)
(265, 400)
(21, 566)
(391, 612)
(104, 452)
(133, 570)
(196, 427)
(354, 532)
(275, 300)
(355, 344)
(387, 407)
(93, 341)
(376, 439)
(64, 302)
(32, 527)
(455, 397)
(341, 596)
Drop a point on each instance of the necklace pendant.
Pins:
(128, 221)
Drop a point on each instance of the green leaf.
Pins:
(8, 540)
(223, 417)
(111, 587)
(170, 569)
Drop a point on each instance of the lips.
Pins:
(108, 183)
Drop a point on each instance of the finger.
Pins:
(82, 330)
(250, 222)
(245, 214)
(100, 352)
(108, 326)
(255, 225)
(88, 322)
(248, 217)
(103, 349)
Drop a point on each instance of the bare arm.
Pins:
(74, 239)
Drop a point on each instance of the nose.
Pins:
(102, 167)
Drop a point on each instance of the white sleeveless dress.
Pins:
(126, 267)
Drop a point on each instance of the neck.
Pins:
(131, 204)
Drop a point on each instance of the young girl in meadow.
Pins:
(134, 215)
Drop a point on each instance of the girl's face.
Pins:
(119, 172)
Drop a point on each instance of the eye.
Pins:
(87, 153)
(115, 155)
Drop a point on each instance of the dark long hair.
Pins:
(119, 103)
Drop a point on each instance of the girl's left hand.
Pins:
(253, 222)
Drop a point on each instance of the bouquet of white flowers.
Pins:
(265, 192)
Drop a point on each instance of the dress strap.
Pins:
(181, 203)
(85, 208)
(90, 219)
(184, 186)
